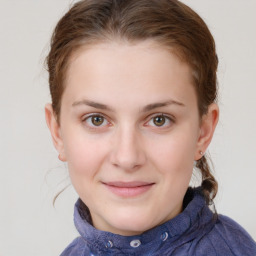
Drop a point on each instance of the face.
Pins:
(130, 132)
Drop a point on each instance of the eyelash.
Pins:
(167, 118)
(95, 127)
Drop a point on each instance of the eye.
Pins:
(95, 120)
(160, 121)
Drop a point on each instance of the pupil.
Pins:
(97, 120)
(159, 120)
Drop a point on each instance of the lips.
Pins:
(128, 189)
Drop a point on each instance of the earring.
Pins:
(201, 153)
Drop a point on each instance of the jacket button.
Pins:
(164, 236)
(135, 243)
(109, 244)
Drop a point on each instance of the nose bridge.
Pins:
(127, 150)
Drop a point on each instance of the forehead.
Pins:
(137, 54)
(117, 68)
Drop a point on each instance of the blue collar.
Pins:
(182, 228)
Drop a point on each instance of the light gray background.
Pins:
(30, 172)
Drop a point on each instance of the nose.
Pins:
(127, 150)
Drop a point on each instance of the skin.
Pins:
(134, 139)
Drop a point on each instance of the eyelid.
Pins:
(167, 116)
(90, 115)
(94, 114)
(171, 118)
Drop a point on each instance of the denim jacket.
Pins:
(196, 231)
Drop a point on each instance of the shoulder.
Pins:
(227, 237)
(77, 248)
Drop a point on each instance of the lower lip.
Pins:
(129, 191)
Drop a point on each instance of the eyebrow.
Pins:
(161, 104)
(91, 104)
(146, 108)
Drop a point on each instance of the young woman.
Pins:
(133, 86)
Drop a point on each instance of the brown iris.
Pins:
(97, 120)
(159, 120)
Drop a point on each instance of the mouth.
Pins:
(128, 189)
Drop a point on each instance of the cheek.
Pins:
(174, 153)
(83, 161)
(84, 165)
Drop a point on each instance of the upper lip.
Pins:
(131, 184)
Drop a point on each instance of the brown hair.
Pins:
(168, 22)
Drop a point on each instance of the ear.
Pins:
(207, 128)
(54, 128)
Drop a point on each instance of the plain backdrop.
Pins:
(31, 173)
